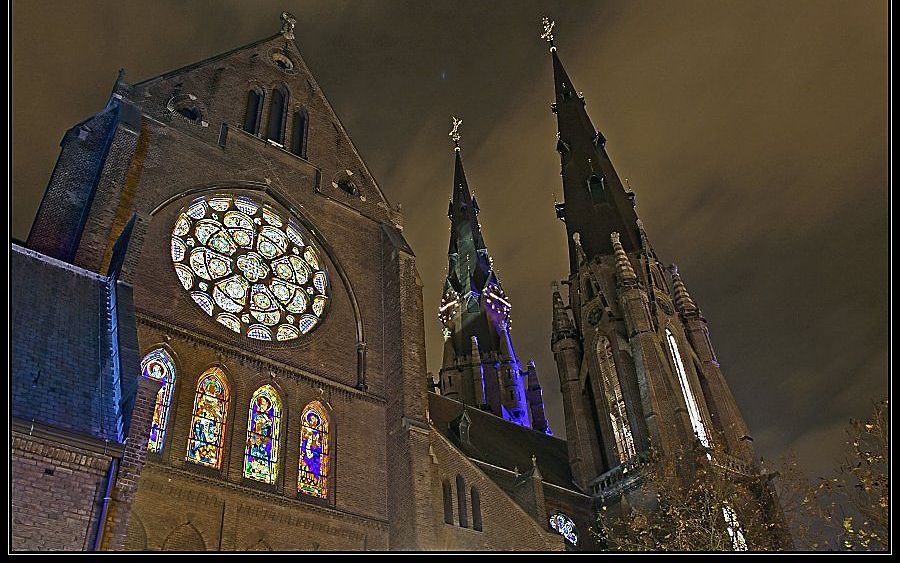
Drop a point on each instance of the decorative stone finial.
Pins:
(579, 250)
(288, 21)
(454, 131)
(547, 34)
(624, 270)
(683, 301)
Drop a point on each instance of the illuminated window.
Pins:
(614, 401)
(693, 409)
(158, 365)
(315, 451)
(263, 435)
(249, 268)
(735, 532)
(565, 527)
(208, 423)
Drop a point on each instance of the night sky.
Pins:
(754, 134)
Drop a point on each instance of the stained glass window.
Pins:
(618, 417)
(315, 451)
(253, 271)
(693, 409)
(158, 365)
(565, 527)
(208, 423)
(735, 532)
(263, 434)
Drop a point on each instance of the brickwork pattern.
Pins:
(56, 492)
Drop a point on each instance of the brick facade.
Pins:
(57, 490)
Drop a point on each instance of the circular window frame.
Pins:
(246, 318)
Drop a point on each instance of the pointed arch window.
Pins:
(263, 435)
(690, 401)
(733, 526)
(476, 510)
(315, 451)
(448, 502)
(158, 366)
(253, 111)
(615, 402)
(208, 422)
(275, 128)
(300, 132)
(461, 502)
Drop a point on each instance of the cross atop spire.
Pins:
(547, 34)
(454, 132)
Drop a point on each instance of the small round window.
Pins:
(282, 61)
(249, 268)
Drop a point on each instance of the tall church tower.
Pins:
(480, 366)
(636, 365)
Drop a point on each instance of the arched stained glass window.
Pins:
(158, 365)
(263, 435)
(690, 401)
(565, 527)
(735, 532)
(315, 451)
(618, 417)
(208, 422)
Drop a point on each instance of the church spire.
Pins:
(469, 262)
(596, 202)
(473, 309)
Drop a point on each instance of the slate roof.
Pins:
(61, 361)
(502, 443)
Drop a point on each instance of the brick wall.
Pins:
(56, 492)
(506, 526)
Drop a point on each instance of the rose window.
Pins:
(249, 268)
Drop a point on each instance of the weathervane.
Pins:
(287, 26)
(548, 32)
(454, 132)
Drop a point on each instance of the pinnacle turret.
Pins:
(624, 270)
(683, 301)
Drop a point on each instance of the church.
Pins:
(243, 324)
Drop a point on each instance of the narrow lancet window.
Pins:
(263, 435)
(476, 510)
(315, 451)
(208, 422)
(461, 502)
(251, 114)
(275, 130)
(690, 401)
(615, 402)
(735, 532)
(301, 128)
(158, 365)
(448, 503)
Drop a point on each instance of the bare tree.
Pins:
(695, 501)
